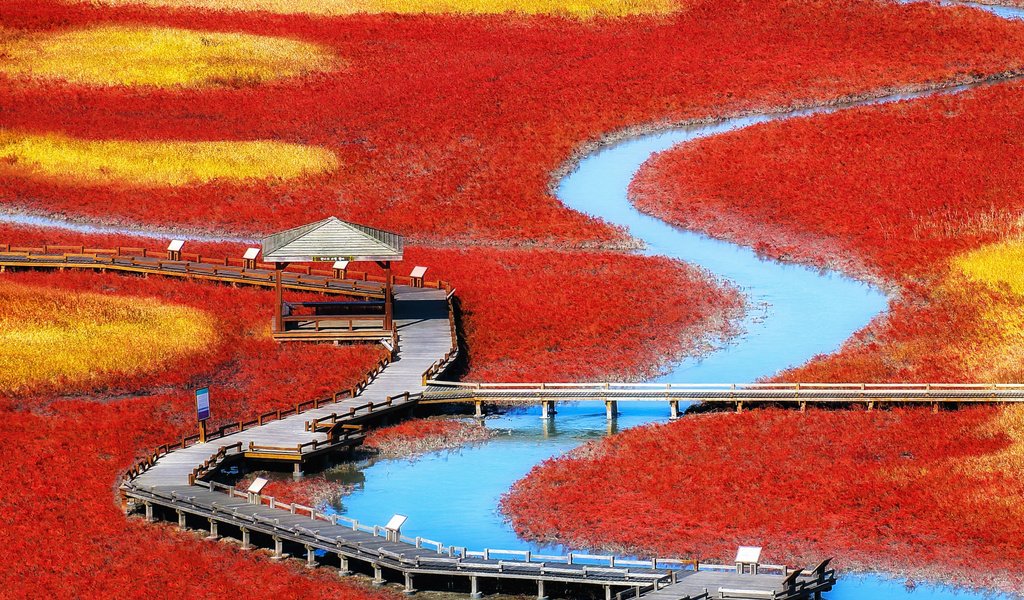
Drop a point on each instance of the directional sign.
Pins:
(203, 404)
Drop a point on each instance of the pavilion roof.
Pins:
(331, 240)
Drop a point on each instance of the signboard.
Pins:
(257, 485)
(203, 404)
(396, 522)
(176, 245)
(330, 258)
(748, 554)
(251, 254)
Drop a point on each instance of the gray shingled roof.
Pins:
(330, 240)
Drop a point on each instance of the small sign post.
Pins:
(202, 410)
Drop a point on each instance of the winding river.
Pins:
(794, 313)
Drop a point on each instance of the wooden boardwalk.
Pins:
(179, 482)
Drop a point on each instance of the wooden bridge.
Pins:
(733, 395)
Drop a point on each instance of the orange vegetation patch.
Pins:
(574, 8)
(116, 55)
(935, 495)
(147, 164)
(52, 339)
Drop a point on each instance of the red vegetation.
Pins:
(448, 127)
(314, 490)
(418, 436)
(64, 457)
(892, 491)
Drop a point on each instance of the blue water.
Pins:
(794, 313)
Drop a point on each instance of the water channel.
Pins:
(795, 313)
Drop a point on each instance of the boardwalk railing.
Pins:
(223, 269)
(459, 558)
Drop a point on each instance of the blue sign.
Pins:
(203, 404)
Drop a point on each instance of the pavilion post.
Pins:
(388, 296)
(279, 305)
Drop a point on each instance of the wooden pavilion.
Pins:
(336, 241)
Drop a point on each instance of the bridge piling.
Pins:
(378, 575)
(213, 530)
(409, 589)
(540, 590)
(673, 406)
(479, 409)
(343, 569)
(181, 519)
(149, 512)
(547, 409)
(611, 409)
(474, 588)
(311, 557)
(278, 549)
(245, 539)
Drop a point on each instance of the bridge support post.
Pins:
(739, 406)
(310, 557)
(673, 408)
(479, 409)
(611, 409)
(149, 511)
(540, 590)
(607, 592)
(547, 409)
(378, 575)
(474, 588)
(343, 569)
(245, 539)
(278, 549)
(213, 530)
(409, 589)
(297, 471)
(181, 519)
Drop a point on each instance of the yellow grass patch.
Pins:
(51, 337)
(574, 8)
(157, 163)
(998, 266)
(158, 56)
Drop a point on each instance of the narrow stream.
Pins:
(795, 313)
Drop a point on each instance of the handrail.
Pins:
(464, 558)
(190, 264)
